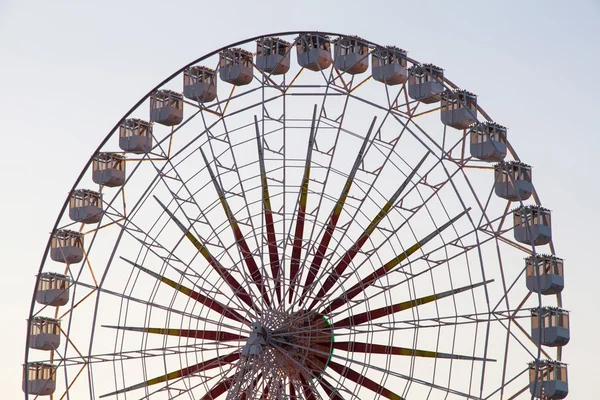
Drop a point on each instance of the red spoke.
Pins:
(301, 214)
(358, 347)
(218, 336)
(332, 392)
(292, 391)
(335, 216)
(222, 271)
(363, 381)
(210, 303)
(369, 280)
(269, 224)
(355, 248)
(382, 312)
(239, 236)
(307, 389)
(194, 369)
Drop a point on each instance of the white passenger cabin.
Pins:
(52, 289)
(85, 206)
(108, 169)
(351, 55)
(235, 66)
(513, 181)
(550, 326)
(532, 224)
(550, 382)
(66, 246)
(544, 274)
(273, 55)
(200, 84)
(39, 379)
(459, 108)
(135, 136)
(44, 333)
(388, 65)
(314, 51)
(166, 107)
(488, 141)
(426, 83)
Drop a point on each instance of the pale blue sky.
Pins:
(69, 71)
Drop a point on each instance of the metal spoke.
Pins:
(301, 210)
(368, 316)
(254, 383)
(335, 215)
(218, 336)
(347, 258)
(239, 236)
(210, 303)
(194, 369)
(308, 391)
(219, 388)
(389, 235)
(233, 283)
(371, 279)
(165, 177)
(363, 381)
(393, 373)
(331, 391)
(358, 347)
(268, 211)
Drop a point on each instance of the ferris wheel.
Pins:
(301, 215)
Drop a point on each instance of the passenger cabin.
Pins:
(314, 51)
(548, 379)
(544, 274)
(488, 141)
(52, 289)
(85, 206)
(166, 107)
(108, 169)
(388, 65)
(200, 84)
(351, 55)
(39, 379)
(66, 246)
(550, 326)
(532, 224)
(135, 136)
(44, 333)
(235, 66)
(459, 108)
(513, 181)
(273, 55)
(426, 83)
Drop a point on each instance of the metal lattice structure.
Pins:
(277, 221)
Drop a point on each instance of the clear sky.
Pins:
(70, 70)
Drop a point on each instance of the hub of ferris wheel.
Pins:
(291, 344)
